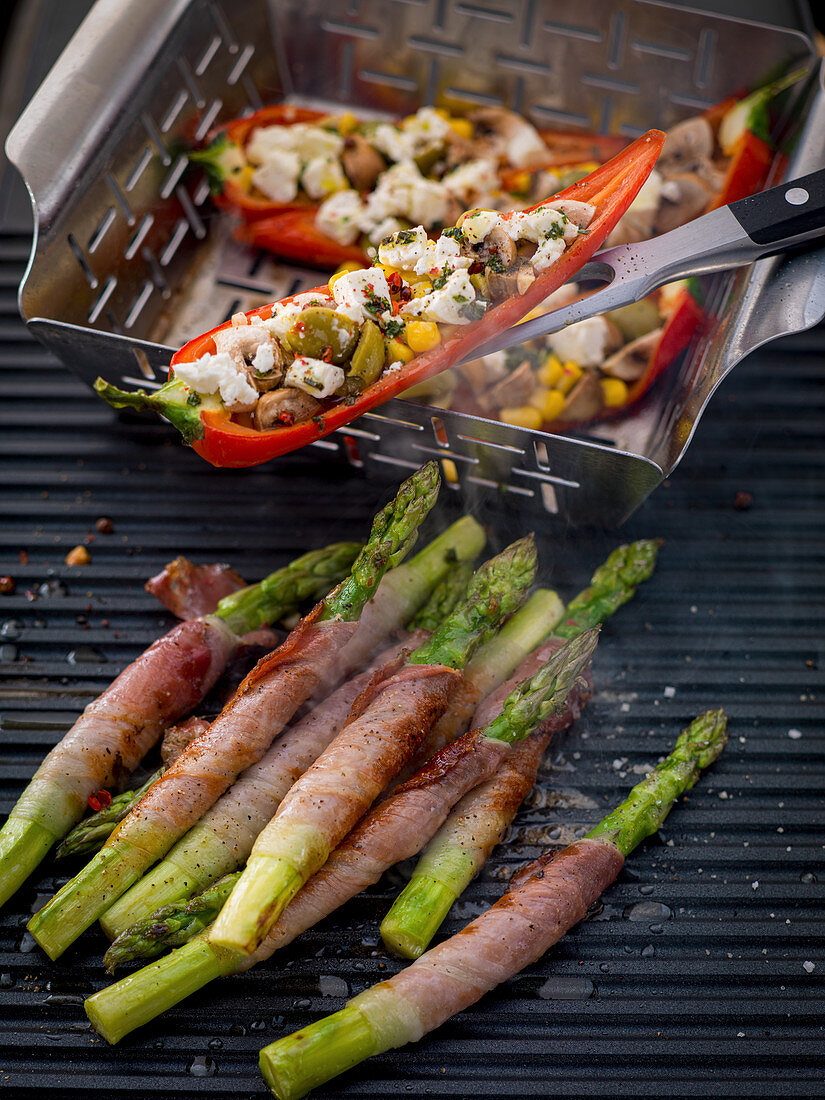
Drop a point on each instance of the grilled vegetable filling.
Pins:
(324, 347)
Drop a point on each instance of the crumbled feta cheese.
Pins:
(448, 305)
(473, 181)
(649, 194)
(403, 192)
(421, 131)
(479, 224)
(314, 376)
(535, 225)
(583, 343)
(385, 228)
(239, 319)
(359, 294)
(404, 249)
(427, 125)
(303, 139)
(284, 316)
(323, 176)
(314, 298)
(524, 144)
(219, 373)
(394, 367)
(393, 143)
(277, 177)
(340, 216)
(445, 252)
(547, 253)
(264, 359)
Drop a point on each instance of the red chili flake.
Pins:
(100, 800)
(7, 585)
(394, 283)
(742, 501)
(395, 308)
(300, 326)
(326, 354)
(23, 556)
(287, 418)
(476, 267)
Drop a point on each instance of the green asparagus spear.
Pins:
(289, 850)
(90, 834)
(447, 866)
(140, 841)
(171, 926)
(400, 1010)
(443, 598)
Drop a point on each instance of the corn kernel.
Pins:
(551, 371)
(463, 127)
(522, 416)
(614, 391)
(422, 335)
(450, 471)
(553, 405)
(397, 349)
(445, 114)
(344, 269)
(571, 373)
(347, 123)
(519, 183)
(244, 177)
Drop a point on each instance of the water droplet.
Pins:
(27, 944)
(237, 1029)
(330, 986)
(6, 981)
(646, 890)
(809, 876)
(563, 987)
(277, 1021)
(655, 928)
(302, 1004)
(202, 1066)
(55, 589)
(12, 629)
(595, 910)
(258, 1025)
(628, 950)
(647, 910)
(8, 653)
(85, 654)
(68, 983)
(604, 967)
(648, 952)
(215, 1044)
(64, 999)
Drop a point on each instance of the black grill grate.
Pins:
(706, 997)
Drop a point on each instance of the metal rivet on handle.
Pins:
(796, 196)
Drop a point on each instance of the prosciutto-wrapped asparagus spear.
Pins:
(459, 851)
(549, 896)
(387, 724)
(390, 832)
(223, 838)
(116, 731)
(262, 705)
(189, 590)
(163, 884)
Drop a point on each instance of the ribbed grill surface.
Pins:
(707, 996)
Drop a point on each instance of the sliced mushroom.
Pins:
(362, 162)
(482, 373)
(284, 406)
(684, 197)
(508, 136)
(686, 143)
(580, 213)
(630, 362)
(632, 227)
(585, 400)
(613, 339)
(514, 390)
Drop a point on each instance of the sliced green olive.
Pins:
(368, 357)
(636, 319)
(479, 281)
(319, 328)
(426, 161)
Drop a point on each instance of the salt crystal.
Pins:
(794, 734)
(809, 966)
(754, 886)
(669, 692)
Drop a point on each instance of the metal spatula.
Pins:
(771, 222)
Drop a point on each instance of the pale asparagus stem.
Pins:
(457, 853)
(240, 735)
(543, 902)
(360, 860)
(223, 838)
(327, 801)
(119, 728)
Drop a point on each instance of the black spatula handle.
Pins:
(784, 213)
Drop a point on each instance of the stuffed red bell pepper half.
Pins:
(284, 375)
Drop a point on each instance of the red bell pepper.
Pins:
(294, 235)
(747, 170)
(611, 189)
(686, 319)
(233, 196)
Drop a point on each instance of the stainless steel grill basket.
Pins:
(129, 259)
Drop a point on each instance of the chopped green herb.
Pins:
(393, 327)
(456, 232)
(193, 399)
(495, 263)
(440, 280)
